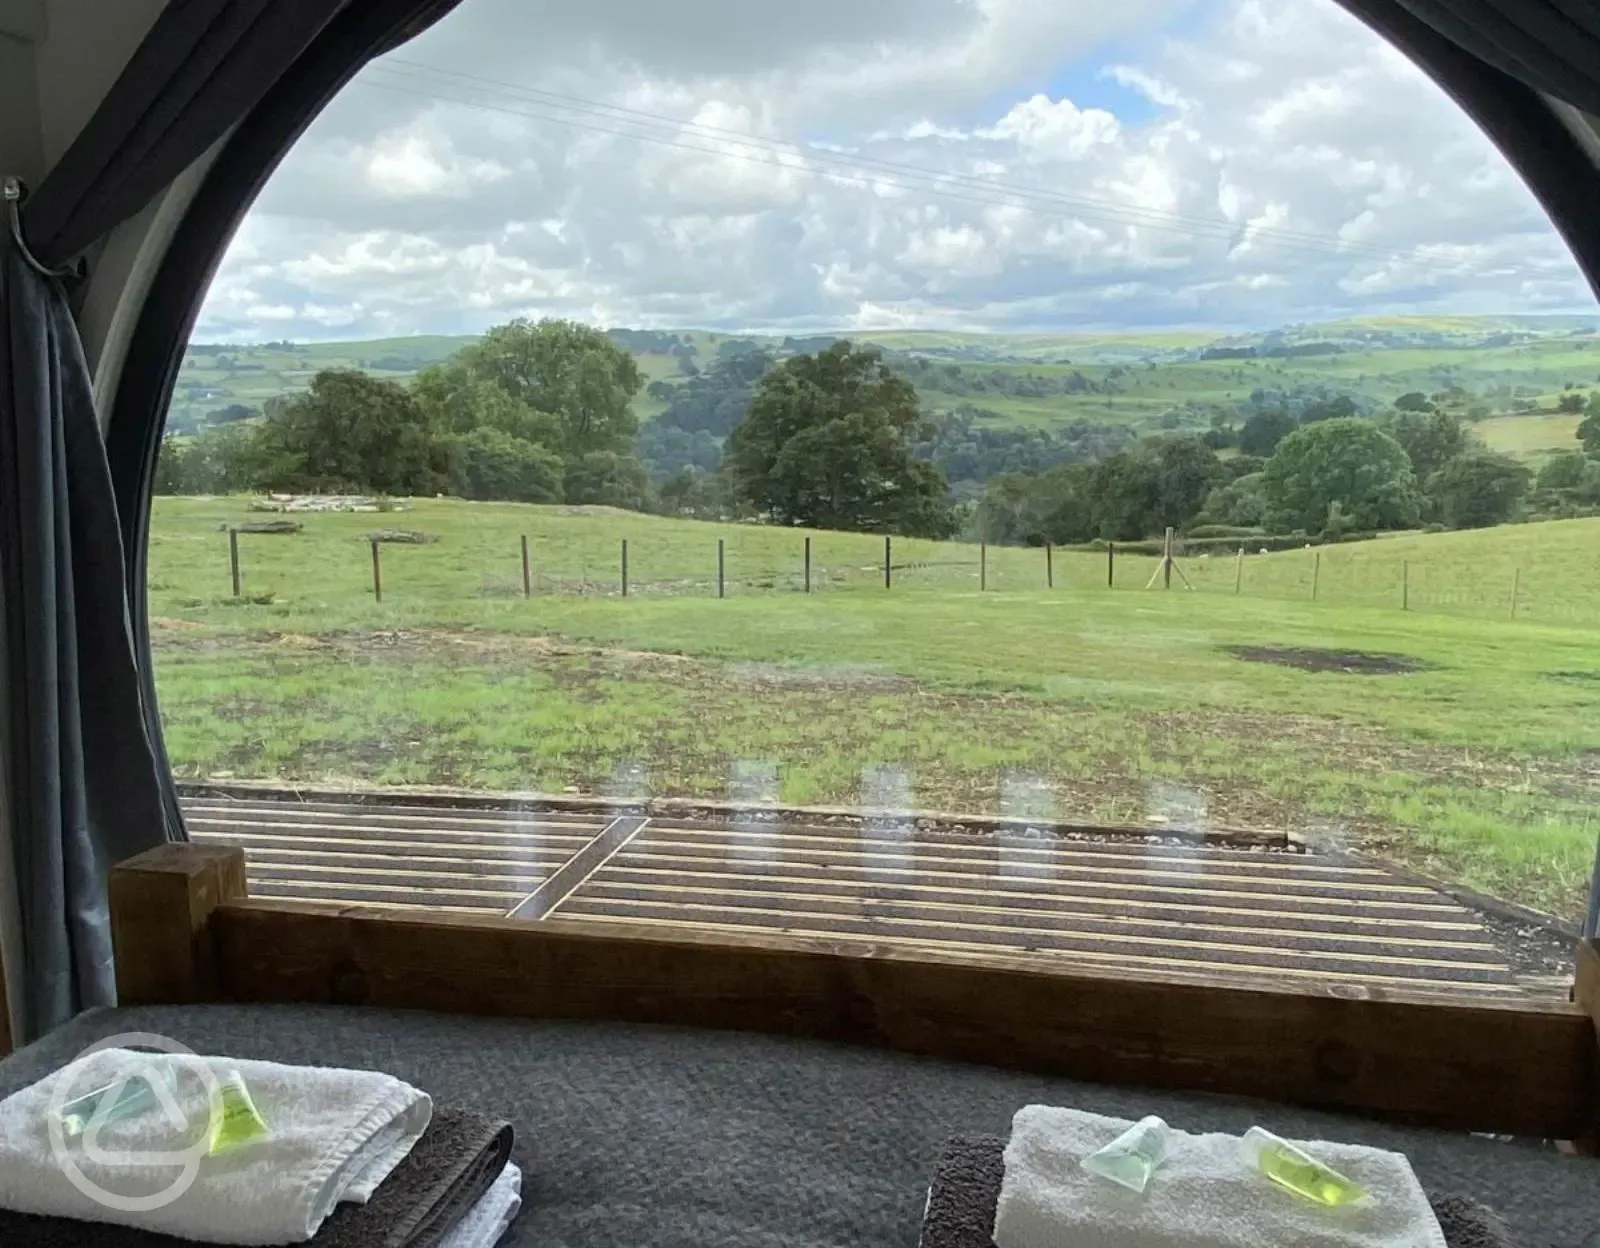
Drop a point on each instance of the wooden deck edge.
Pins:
(682, 807)
(1516, 1068)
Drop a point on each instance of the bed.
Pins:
(809, 1101)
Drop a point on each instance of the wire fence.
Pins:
(742, 560)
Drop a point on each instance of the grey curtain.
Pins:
(1550, 45)
(86, 789)
(84, 786)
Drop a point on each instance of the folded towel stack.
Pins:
(352, 1159)
(965, 1196)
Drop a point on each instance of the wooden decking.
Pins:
(1146, 908)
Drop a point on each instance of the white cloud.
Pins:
(887, 164)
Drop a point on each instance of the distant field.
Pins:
(1480, 763)
(1531, 436)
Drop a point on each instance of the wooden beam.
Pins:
(161, 906)
(1586, 992)
(1471, 1065)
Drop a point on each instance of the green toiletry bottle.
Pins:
(1298, 1170)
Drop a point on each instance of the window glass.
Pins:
(1113, 484)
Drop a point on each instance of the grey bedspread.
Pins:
(666, 1138)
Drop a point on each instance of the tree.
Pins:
(1348, 461)
(1431, 439)
(1240, 503)
(1478, 489)
(827, 443)
(489, 463)
(1568, 470)
(1263, 431)
(1589, 428)
(578, 381)
(349, 432)
(1186, 469)
(1328, 409)
(607, 479)
(1413, 401)
(1573, 401)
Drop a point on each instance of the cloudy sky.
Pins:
(839, 164)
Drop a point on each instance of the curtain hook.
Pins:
(14, 191)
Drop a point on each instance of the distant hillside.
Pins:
(1144, 381)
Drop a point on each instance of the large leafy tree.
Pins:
(1261, 434)
(1347, 461)
(827, 443)
(1478, 489)
(1431, 439)
(538, 413)
(348, 432)
(569, 381)
(1589, 428)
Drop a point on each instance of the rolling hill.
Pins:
(1510, 366)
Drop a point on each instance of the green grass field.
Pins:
(1118, 704)
(1533, 435)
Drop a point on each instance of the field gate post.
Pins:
(233, 561)
(722, 568)
(1516, 586)
(808, 565)
(1049, 568)
(983, 566)
(888, 562)
(1111, 565)
(1166, 560)
(624, 567)
(527, 570)
(1238, 571)
(1316, 572)
(377, 570)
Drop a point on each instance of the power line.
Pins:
(927, 179)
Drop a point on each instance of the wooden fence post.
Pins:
(624, 567)
(1316, 572)
(1405, 584)
(527, 570)
(888, 563)
(722, 568)
(377, 570)
(1111, 565)
(1238, 572)
(233, 562)
(1516, 585)
(1166, 560)
(1049, 568)
(808, 565)
(983, 566)
(160, 902)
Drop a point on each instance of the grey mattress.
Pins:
(640, 1136)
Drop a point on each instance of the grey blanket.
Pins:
(656, 1137)
(966, 1189)
(445, 1175)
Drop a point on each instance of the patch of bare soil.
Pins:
(1355, 662)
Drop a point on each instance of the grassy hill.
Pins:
(1474, 760)
(1142, 380)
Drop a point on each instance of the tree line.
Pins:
(530, 413)
(837, 438)
(541, 413)
(1322, 473)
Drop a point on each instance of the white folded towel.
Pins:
(1204, 1195)
(335, 1136)
(488, 1221)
